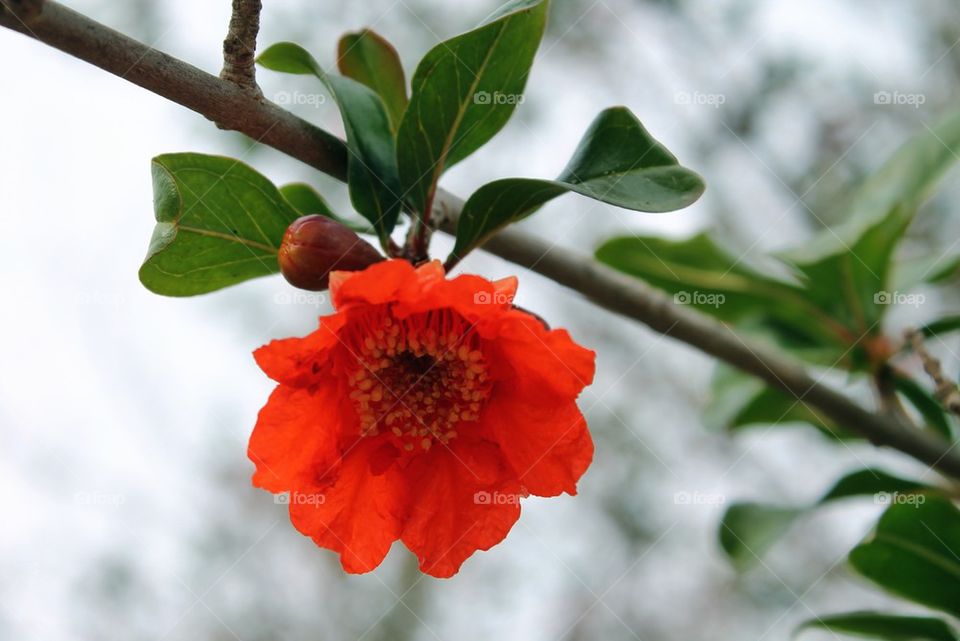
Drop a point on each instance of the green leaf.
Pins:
(890, 627)
(739, 401)
(307, 201)
(371, 166)
(941, 326)
(703, 275)
(915, 553)
(616, 162)
(854, 259)
(933, 412)
(219, 223)
(747, 530)
(463, 92)
(870, 481)
(369, 59)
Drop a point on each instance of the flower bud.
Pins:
(313, 246)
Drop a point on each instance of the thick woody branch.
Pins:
(240, 45)
(233, 107)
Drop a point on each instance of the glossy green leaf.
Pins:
(889, 627)
(747, 530)
(369, 59)
(371, 166)
(307, 201)
(463, 92)
(915, 553)
(616, 162)
(219, 223)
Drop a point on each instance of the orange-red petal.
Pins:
(463, 499)
(544, 438)
(359, 516)
(297, 438)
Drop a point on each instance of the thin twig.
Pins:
(234, 108)
(945, 390)
(240, 46)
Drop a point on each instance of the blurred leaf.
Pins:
(933, 412)
(617, 162)
(369, 59)
(747, 530)
(739, 400)
(890, 627)
(306, 200)
(219, 223)
(944, 325)
(463, 92)
(858, 252)
(915, 553)
(371, 166)
(932, 268)
(871, 481)
(703, 275)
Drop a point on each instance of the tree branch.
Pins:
(240, 46)
(234, 108)
(945, 390)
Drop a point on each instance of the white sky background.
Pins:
(124, 415)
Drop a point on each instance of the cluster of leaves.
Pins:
(825, 302)
(219, 222)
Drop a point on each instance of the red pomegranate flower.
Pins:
(422, 410)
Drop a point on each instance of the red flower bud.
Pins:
(313, 246)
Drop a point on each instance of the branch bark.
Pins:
(240, 46)
(232, 107)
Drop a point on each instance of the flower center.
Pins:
(418, 378)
